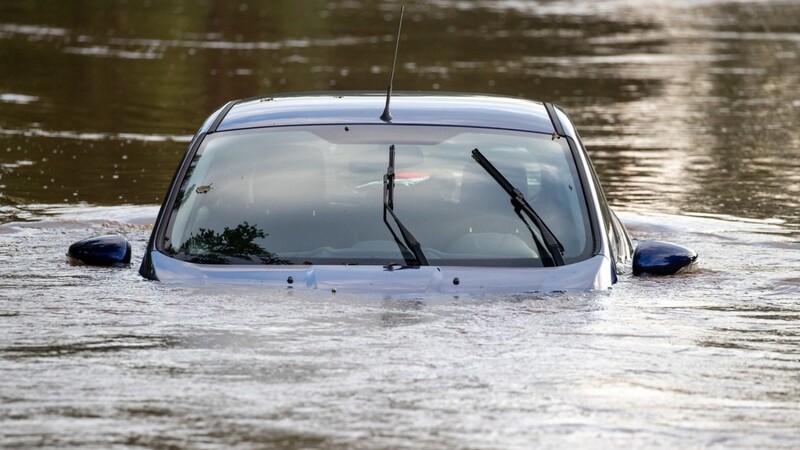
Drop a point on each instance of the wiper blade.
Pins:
(411, 242)
(551, 243)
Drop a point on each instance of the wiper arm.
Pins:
(551, 243)
(411, 242)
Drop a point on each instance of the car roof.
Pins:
(469, 110)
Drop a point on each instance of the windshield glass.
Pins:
(314, 195)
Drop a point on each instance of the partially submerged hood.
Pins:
(594, 273)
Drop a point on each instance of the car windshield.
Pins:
(315, 195)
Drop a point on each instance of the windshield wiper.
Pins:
(411, 242)
(551, 244)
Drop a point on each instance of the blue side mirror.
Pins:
(111, 250)
(661, 258)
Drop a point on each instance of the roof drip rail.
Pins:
(223, 112)
(558, 130)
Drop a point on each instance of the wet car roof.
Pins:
(407, 109)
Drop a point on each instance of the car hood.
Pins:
(594, 273)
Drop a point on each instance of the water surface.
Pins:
(688, 107)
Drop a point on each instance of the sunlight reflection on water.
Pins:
(677, 361)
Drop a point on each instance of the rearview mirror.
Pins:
(662, 258)
(110, 250)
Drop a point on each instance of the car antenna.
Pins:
(387, 116)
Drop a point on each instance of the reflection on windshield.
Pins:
(315, 195)
(210, 247)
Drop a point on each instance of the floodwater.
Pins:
(689, 109)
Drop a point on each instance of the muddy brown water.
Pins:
(689, 109)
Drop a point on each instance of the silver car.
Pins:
(451, 194)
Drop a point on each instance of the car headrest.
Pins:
(480, 190)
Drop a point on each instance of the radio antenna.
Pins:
(387, 116)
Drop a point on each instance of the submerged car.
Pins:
(446, 194)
